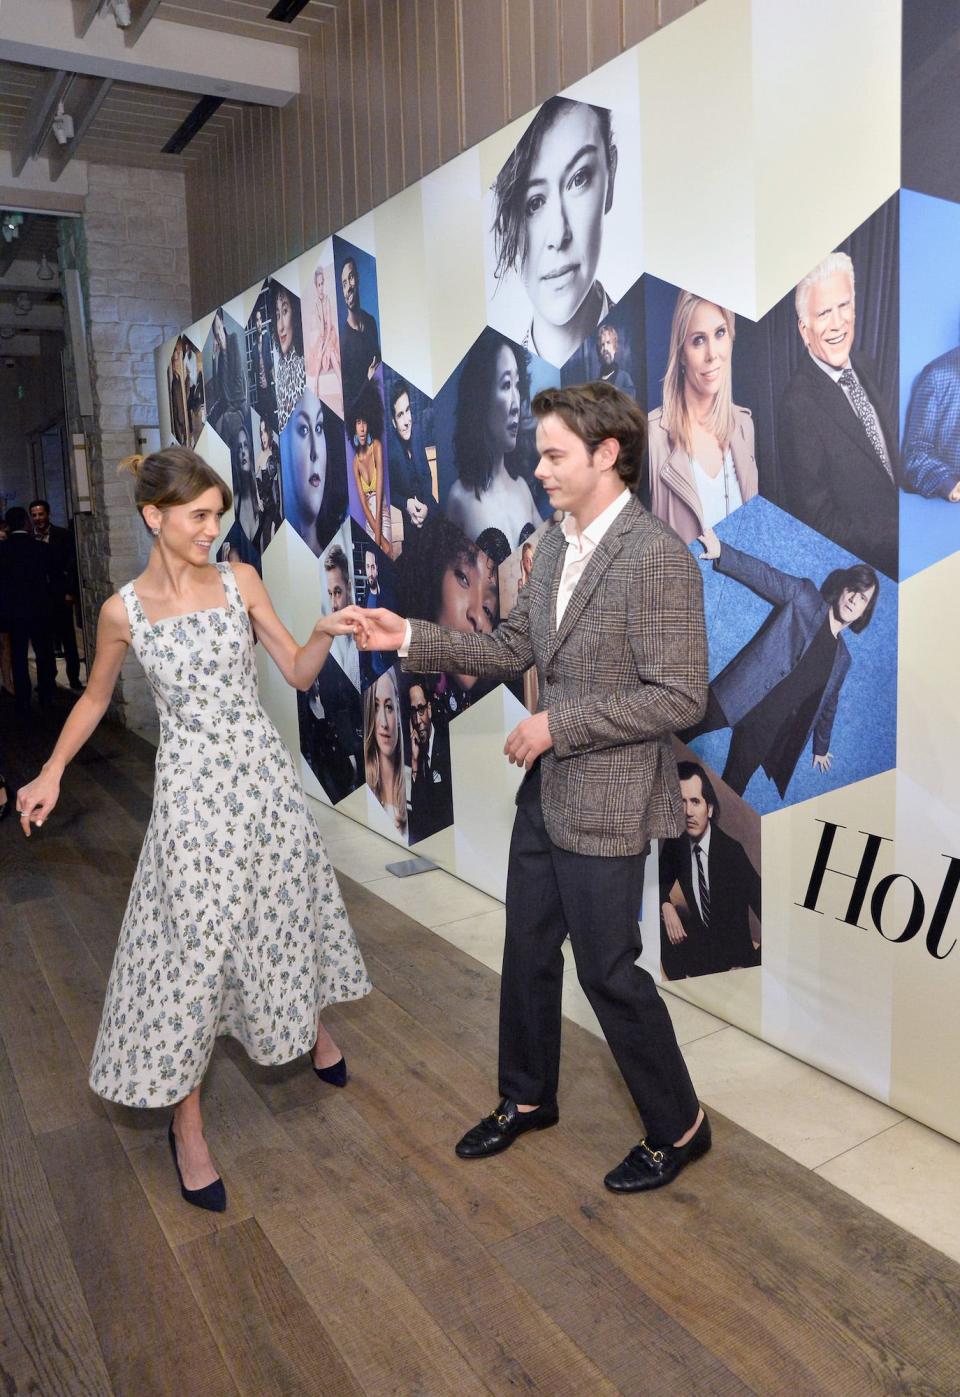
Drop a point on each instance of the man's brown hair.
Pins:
(596, 411)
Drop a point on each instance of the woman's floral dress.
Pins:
(235, 923)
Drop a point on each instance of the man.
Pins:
(608, 342)
(837, 444)
(431, 792)
(612, 616)
(785, 683)
(359, 342)
(263, 368)
(411, 485)
(340, 595)
(718, 887)
(64, 568)
(373, 663)
(31, 584)
(931, 439)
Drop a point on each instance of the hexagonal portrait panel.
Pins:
(313, 472)
(368, 481)
(224, 376)
(185, 392)
(557, 252)
(615, 352)
(411, 443)
(358, 318)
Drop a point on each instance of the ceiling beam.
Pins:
(167, 55)
(84, 13)
(37, 123)
(60, 159)
(8, 251)
(141, 19)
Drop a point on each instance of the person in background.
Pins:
(931, 437)
(31, 586)
(67, 586)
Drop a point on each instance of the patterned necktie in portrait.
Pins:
(864, 410)
(704, 890)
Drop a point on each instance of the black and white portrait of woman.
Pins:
(548, 213)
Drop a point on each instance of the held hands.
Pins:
(673, 924)
(376, 629)
(711, 546)
(337, 623)
(529, 740)
(36, 800)
(823, 763)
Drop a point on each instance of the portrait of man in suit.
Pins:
(411, 485)
(431, 794)
(612, 617)
(784, 685)
(836, 441)
(708, 888)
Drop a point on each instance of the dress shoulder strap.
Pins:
(230, 587)
(135, 614)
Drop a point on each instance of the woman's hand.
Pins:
(36, 800)
(711, 546)
(376, 628)
(337, 623)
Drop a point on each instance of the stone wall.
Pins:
(132, 255)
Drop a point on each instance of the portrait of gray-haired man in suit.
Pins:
(836, 441)
(612, 617)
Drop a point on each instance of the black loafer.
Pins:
(648, 1166)
(498, 1131)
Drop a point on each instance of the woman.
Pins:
(227, 397)
(314, 484)
(324, 350)
(450, 581)
(268, 484)
(383, 748)
(702, 464)
(289, 375)
(234, 922)
(368, 472)
(489, 492)
(179, 395)
(248, 506)
(551, 199)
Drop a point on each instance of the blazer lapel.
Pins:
(607, 549)
(840, 410)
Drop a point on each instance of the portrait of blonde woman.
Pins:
(383, 748)
(702, 462)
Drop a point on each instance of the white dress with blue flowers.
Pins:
(235, 923)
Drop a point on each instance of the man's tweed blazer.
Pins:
(627, 667)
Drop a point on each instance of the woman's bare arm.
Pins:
(36, 800)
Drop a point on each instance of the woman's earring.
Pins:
(156, 531)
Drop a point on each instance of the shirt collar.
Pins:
(703, 841)
(594, 531)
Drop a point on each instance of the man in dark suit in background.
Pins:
(411, 485)
(719, 887)
(431, 792)
(836, 442)
(30, 582)
(60, 543)
(612, 616)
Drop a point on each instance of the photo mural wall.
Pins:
(798, 361)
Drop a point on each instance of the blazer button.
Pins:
(551, 677)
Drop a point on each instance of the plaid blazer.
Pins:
(627, 667)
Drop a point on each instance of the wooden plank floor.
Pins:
(358, 1255)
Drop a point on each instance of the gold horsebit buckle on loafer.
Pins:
(502, 1121)
(655, 1155)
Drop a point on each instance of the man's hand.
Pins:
(376, 629)
(823, 763)
(954, 494)
(673, 924)
(529, 740)
(711, 546)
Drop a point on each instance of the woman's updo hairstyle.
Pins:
(172, 477)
